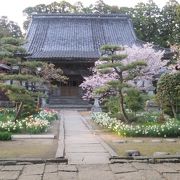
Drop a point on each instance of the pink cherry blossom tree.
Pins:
(147, 53)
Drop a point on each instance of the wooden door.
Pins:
(69, 91)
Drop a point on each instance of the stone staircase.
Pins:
(68, 102)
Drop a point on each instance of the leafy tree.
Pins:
(168, 92)
(170, 23)
(9, 28)
(145, 18)
(113, 62)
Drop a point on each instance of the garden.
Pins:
(138, 90)
(36, 123)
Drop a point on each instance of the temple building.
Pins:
(72, 42)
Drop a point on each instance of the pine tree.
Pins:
(113, 62)
(22, 83)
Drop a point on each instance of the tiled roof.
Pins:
(76, 36)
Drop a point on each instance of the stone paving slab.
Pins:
(161, 168)
(150, 175)
(119, 171)
(34, 169)
(87, 149)
(9, 175)
(12, 168)
(140, 175)
(51, 176)
(175, 166)
(92, 172)
(141, 166)
(122, 168)
(50, 168)
(67, 168)
(172, 176)
(30, 177)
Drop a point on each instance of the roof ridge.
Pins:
(46, 15)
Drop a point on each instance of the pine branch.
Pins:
(133, 65)
(109, 65)
(21, 77)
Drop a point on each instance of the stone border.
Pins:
(25, 161)
(32, 136)
(60, 153)
(147, 159)
(106, 146)
(158, 140)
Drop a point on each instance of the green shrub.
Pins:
(168, 93)
(134, 100)
(5, 136)
(111, 104)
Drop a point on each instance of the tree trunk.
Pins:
(173, 108)
(174, 111)
(19, 109)
(121, 100)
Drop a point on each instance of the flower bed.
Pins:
(33, 124)
(170, 128)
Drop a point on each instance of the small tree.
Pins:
(168, 92)
(110, 61)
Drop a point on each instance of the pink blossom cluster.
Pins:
(96, 80)
(146, 53)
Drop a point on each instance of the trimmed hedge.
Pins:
(5, 136)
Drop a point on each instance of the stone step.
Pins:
(70, 106)
(67, 101)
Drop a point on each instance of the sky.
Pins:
(13, 8)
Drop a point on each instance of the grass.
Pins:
(36, 148)
(146, 148)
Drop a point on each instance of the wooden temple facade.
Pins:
(72, 42)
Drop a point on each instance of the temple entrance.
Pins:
(69, 94)
(71, 88)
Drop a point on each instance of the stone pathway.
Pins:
(88, 160)
(81, 146)
(123, 171)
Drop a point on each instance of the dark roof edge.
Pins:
(65, 59)
(132, 28)
(78, 15)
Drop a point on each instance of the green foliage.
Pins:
(32, 64)
(168, 92)
(5, 136)
(124, 72)
(111, 105)
(21, 77)
(111, 48)
(134, 100)
(9, 28)
(102, 89)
